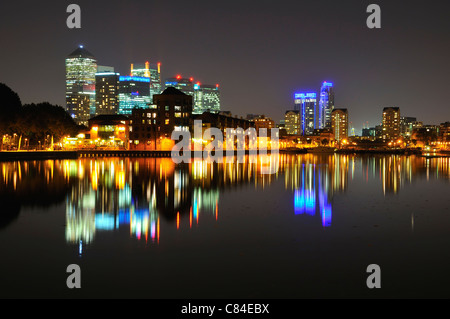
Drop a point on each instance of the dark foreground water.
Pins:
(147, 228)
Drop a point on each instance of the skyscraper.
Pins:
(141, 70)
(155, 79)
(391, 123)
(305, 103)
(206, 98)
(151, 71)
(339, 124)
(326, 105)
(81, 67)
(134, 92)
(106, 91)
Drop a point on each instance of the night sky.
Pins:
(260, 52)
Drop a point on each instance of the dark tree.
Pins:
(39, 121)
(10, 107)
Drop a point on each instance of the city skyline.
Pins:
(265, 51)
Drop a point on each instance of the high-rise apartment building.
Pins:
(106, 91)
(391, 123)
(81, 67)
(326, 105)
(339, 124)
(306, 103)
(292, 122)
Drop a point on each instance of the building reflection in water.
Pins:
(134, 194)
(314, 180)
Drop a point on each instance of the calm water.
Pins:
(147, 228)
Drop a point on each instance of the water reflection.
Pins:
(136, 193)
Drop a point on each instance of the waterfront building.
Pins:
(369, 132)
(106, 91)
(109, 131)
(292, 122)
(263, 122)
(339, 124)
(407, 125)
(81, 67)
(134, 92)
(444, 132)
(391, 123)
(305, 103)
(425, 135)
(222, 122)
(151, 128)
(326, 105)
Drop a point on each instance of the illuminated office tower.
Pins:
(391, 123)
(182, 84)
(339, 124)
(141, 70)
(134, 92)
(305, 103)
(292, 122)
(206, 98)
(152, 71)
(81, 67)
(155, 79)
(106, 91)
(326, 105)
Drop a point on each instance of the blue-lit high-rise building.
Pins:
(326, 105)
(151, 71)
(134, 92)
(306, 103)
(81, 67)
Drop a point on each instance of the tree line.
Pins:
(39, 124)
